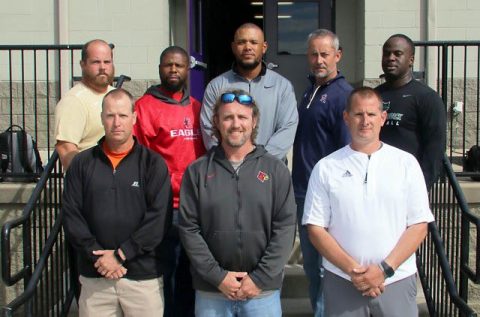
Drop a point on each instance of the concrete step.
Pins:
(295, 301)
(296, 307)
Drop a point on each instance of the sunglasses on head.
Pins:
(243, 99)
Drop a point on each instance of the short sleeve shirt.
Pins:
(77, 117)
(367, 202)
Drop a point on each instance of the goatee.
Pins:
(248, 66)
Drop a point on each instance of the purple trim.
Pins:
(197, 75)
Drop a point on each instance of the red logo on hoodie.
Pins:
(187, 123)
(262, 176)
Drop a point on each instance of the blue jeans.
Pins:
(206, 306)
(312, 264)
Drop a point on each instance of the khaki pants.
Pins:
(123, 297)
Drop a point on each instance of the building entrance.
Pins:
(286, 25)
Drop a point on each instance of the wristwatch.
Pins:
(387, 269)
(118, 257)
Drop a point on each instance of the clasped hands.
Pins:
(369, 280)
(238, 286)
(108, 266)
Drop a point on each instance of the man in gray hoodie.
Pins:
(237, 217)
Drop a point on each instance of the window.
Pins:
(295, 21)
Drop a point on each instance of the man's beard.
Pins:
(248, 66)
(171, 86)
(238, 142)
(97, 80)
(321, 75)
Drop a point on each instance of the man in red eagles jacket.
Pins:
(168, 123)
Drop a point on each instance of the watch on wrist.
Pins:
(118, 257)
(387, 269)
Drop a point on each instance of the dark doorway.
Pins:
(286, 25)
(222, 18)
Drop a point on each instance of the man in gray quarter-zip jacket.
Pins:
(272, 92)
(237, 216)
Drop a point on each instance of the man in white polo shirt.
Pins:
(367, 211)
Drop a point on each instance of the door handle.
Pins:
(272, 65)
(194, 63)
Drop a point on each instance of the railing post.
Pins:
(27, 259)
(464, 257)
(445, 73)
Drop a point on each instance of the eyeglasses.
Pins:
(242, 99)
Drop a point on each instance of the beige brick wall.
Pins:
(421, 20)
(26, 22)
(139, 29)
(458, 19)
(382, 19)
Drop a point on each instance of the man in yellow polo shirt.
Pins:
(77, 116)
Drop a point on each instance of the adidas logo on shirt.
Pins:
(135, 184)
(347, 174)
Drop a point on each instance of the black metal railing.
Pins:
(443, 259)
(44, 266)
(453, 69)
(33, 84)
(49, 283)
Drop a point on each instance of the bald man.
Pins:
(416, 117)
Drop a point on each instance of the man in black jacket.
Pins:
(237, 217)
(416, 120)
(117, 208)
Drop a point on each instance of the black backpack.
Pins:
(19, 156)
(471, 162)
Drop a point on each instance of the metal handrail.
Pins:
(447, 276)
(472, 218)
(30, 290)
(32, 279)
(449, 203)
(8, 226)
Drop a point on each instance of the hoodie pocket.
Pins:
(254, 246)
(224, 247)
